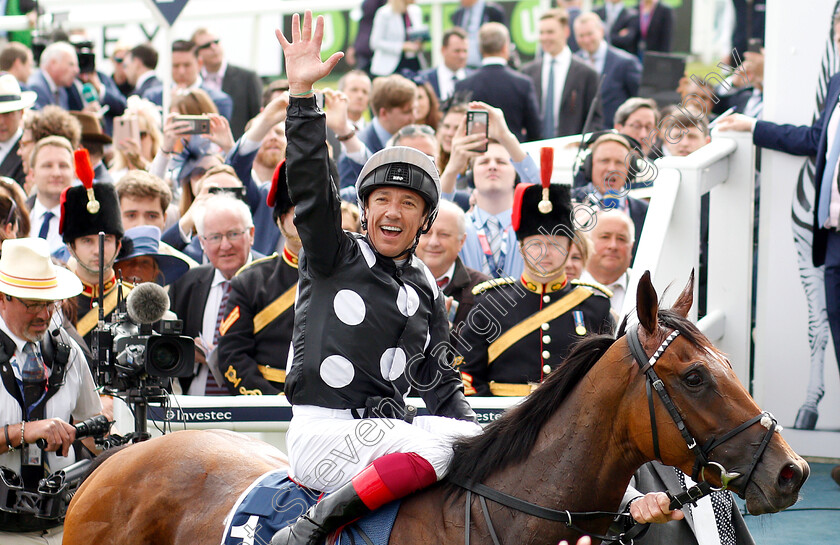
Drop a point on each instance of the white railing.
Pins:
(670, 245)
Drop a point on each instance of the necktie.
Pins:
(212, 388)
(45, 224)
(828, 178)
(442, 282)
(548, 104)
(34, 377)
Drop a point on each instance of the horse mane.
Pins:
(511, 438)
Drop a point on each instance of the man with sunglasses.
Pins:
(46, 381)
(243, 85)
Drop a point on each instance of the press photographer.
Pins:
(46, 381)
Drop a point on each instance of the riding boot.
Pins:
(328, 515)
(389, 478)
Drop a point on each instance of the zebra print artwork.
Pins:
(812, 278)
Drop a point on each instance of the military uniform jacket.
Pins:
(255, 364)
(89, 313)
(497, 360)
(363, 325)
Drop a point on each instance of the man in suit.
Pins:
(656, 27)
(357, 86)
(16, 59)
(498, 85)
(140, 69)
(565, 85)
(621, 25)
(471, 16)
(605, 171)
(438, 249)
(454, 67)
(59, 66)
(242, 85)
(226, 231)
(185, 75)
(689, 530)
(51, 164)
(621, 72)
(392, 101)
(819, 140)
(11, 114)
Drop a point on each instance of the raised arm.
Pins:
(317, 205)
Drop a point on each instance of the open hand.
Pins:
(303, 54)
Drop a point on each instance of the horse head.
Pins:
(726, 439)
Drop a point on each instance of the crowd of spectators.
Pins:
(168, 173)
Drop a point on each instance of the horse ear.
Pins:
(647, 304)
(683, 303)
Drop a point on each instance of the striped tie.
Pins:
(212, 388)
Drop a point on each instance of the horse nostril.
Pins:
(788, 476)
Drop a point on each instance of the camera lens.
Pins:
(165, 355)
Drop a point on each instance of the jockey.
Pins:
(370, 323)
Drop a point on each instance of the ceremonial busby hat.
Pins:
(89, 208)
(542, 209)
(278, 196)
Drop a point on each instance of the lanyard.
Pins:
(488, 252)
(27, 409)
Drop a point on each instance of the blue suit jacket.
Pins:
(622, 73)
(222, 100)
(431, 76)
(510, 91)
(38, 83)
(805, 140)
(349, 170)
(70, 98)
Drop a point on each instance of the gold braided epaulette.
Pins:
(493, 283)
(596, 286)
(254, 262)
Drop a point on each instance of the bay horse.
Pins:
(573, 444)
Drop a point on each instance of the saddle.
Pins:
(274, 501)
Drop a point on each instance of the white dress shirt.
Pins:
(37, 218)
(561, 69)
(619, 288)
(446, 80)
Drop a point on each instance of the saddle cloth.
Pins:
(274, 501)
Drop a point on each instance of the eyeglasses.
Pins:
(118, 60)
(639, 126)
(33, 307)
(207, 45)
(216, 238)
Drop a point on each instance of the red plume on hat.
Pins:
(278, 195)
(84, 172)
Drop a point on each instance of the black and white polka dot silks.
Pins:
(375, 319)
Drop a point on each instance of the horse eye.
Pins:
(694, 379)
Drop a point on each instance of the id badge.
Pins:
(31, 455)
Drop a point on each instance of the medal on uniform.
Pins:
(580, 328)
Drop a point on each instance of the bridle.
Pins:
(701, 453)
(701, 461)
